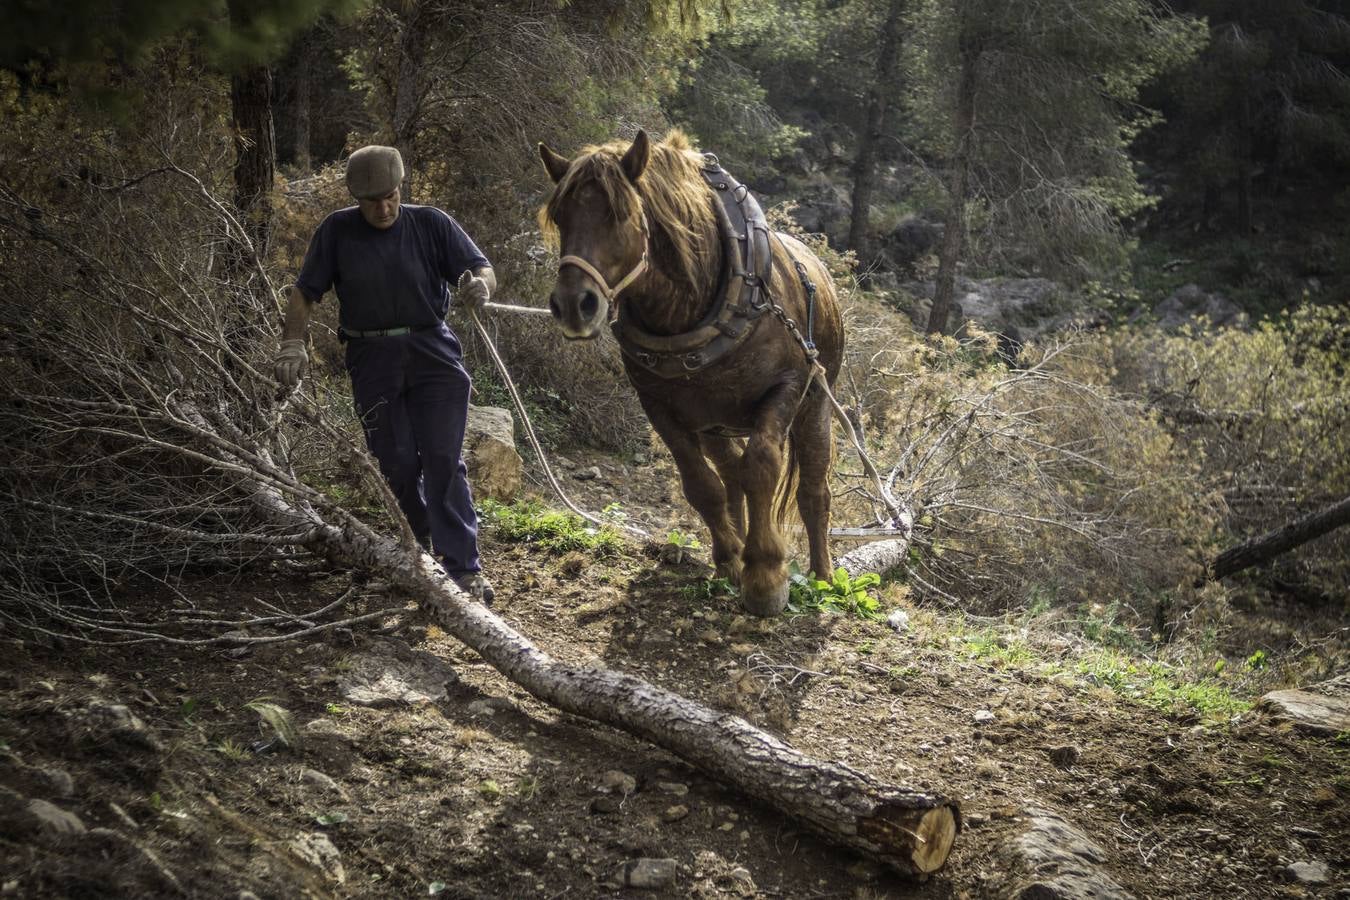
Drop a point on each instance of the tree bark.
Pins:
(949, 257)
(865, 163)
(908, 829)
(302, 85)
(255, 152)
(1266, 547)
(882, 557)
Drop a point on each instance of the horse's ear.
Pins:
(635, 160)
(555, 164)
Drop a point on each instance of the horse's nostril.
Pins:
(554, 308)
(590, 304)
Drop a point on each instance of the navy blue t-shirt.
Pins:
(392, 278)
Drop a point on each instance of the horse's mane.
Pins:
(673, 192)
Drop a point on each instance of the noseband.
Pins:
(611, 294)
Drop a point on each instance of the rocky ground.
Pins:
(415, 769)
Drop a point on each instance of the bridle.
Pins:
(611, 294)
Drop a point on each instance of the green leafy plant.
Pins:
(708, 589)
(841, 594)
(679, 546)
(528, 521)
(1257, 661)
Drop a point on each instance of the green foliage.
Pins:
(1056, 106)
(1161, 686)
(558, 532)
(89, 32)
(706, 590)
(840, 594)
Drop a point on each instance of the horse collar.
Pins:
(741, 297)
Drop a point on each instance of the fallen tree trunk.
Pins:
(905, 828)
(881, 557)
(1264, 548)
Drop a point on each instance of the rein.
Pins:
(611, 294)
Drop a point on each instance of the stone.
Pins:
(495, 467)
(616, 782)
(648, 873)
(984, 717)
(741, 882)
(898, 621)
(53, 819)
(604, 806)
(1314, 872)
(389, 673)
(114, 722)
(59, 782)
(675, 813)
(1187, 305)
(674, 788)
(588, 474)
(1053, 860)
(318, 779)
(1323, 708)
(1024, 307)
(317, 850)
(1065, 757)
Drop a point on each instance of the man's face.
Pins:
(380, 213)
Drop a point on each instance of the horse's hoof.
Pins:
(766, 603)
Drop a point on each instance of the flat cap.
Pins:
(373, 172)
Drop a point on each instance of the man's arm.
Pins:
(292, 356)
(298, 310)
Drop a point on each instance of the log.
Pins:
(1266, 547)
(881, 557)
(908, 829)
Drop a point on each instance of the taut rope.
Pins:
(525, 418)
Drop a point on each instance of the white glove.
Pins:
(472, 291)
(291, 361)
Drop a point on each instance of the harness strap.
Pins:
(611, 294)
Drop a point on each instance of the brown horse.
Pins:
(646, 218)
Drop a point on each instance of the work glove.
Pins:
(472, 291)
(291, 361)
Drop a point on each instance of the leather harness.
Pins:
(742, 296)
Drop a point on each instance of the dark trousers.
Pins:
(412, 394)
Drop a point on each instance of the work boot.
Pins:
(476, 585)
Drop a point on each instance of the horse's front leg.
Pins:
(702, 488)
(764, 585)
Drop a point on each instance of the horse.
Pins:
(708, 306)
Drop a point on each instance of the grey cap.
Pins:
(373, 172)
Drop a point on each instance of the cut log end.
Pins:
(933, 840)
(915, 841)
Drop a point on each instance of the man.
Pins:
(392, 265)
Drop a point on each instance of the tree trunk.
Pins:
(865, 164)
(944, 292)
(303, 81)
(1244, 185)
(255, 152)
(407, 112)
(1266, 547)
(909, 829)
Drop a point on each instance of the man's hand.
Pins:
(472, 290)
(291, 361)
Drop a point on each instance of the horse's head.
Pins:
(602, 232)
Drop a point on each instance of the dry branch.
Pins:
(1265, 547)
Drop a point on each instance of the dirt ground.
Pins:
(489, 793)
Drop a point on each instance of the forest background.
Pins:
(1095, 255)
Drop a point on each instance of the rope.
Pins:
(901, 518)
(529, 428)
